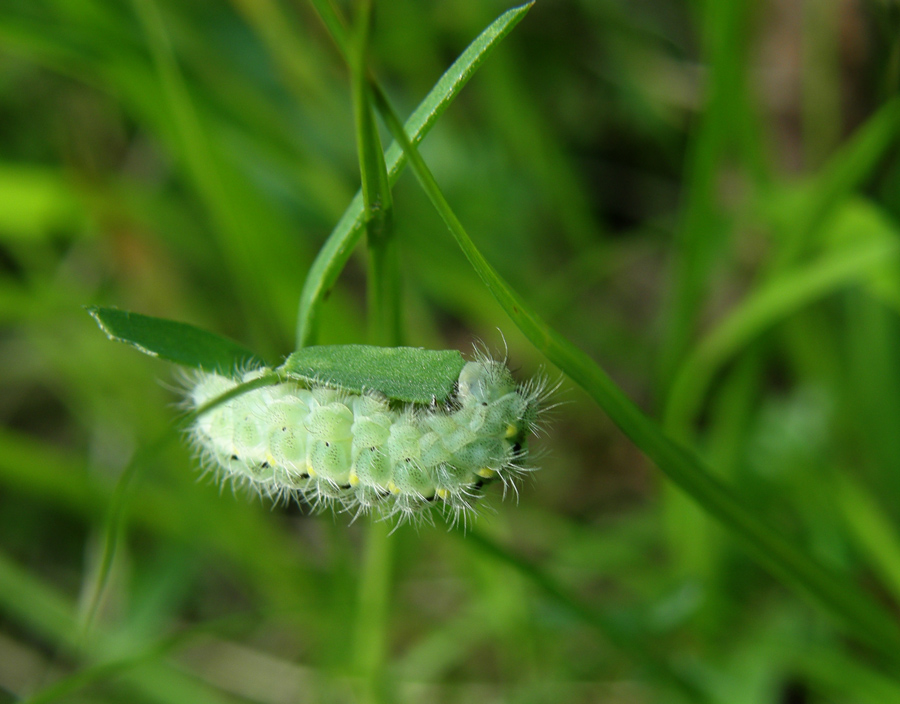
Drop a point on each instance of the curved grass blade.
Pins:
(337, 249)
(845, 171)
(174, 341)
(113, 530)
(781, 296)
(852, 607)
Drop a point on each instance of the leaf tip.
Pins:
(96, 312)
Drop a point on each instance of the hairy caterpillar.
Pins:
(362, 450)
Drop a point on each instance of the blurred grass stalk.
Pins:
(371, 633)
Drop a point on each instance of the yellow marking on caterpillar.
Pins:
(310, 471)
(443, 494)
(486, 472)
(354, 480)
(511, 431)
(271, 460)
(393, 488)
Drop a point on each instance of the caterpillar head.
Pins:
(484, 381)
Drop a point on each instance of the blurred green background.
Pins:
(703, 196)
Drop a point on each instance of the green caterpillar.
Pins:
(360, 451)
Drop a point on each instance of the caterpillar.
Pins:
(361, 450)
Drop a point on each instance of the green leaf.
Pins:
(177, 342)
(346, 234)
(401, 373)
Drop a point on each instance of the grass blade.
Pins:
(851, 606)
(872, 529)
(337, 249)
(781, 296)
(846, 170)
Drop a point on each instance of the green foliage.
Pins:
(704, 246)
(173, 341)
(400, 373)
